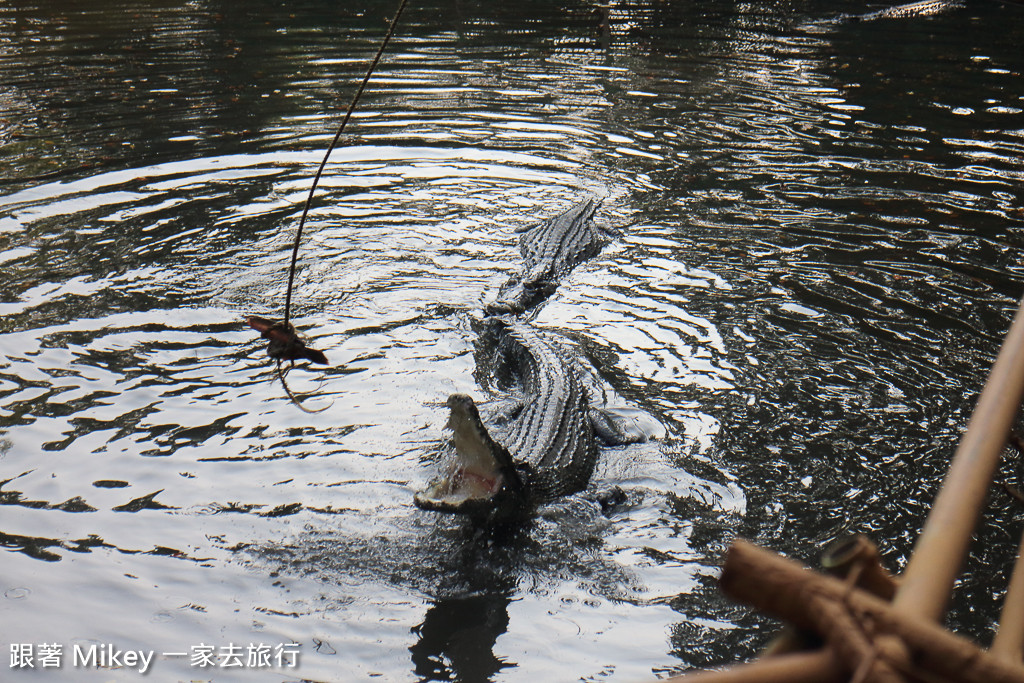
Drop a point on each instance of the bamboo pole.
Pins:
(927, 581)
(785, 641)
(786, 590)
(1009, 641)
(856, 558)
(923, 591)
(802, 667)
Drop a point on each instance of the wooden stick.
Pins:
(1008, 644)
(1012, 492)
(850, 642)
(323, 164)
(859, 554)
(801, 667)
(853, 559)
(788, 640)
(786, 590)
(927, 581)
(1017, 442)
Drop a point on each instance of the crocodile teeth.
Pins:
(478, 472)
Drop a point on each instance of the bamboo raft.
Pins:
(872, 626)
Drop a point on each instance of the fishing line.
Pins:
(323, 164)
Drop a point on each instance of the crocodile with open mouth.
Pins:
(542, 442)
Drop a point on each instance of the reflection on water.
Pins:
(821, 250)
(461, 631)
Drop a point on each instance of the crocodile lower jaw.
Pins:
(461, 490)
(476, 476)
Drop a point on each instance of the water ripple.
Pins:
(821, 226)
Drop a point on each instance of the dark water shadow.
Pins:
(457, 636)
(467, 578)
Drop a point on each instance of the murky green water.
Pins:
(823, 230)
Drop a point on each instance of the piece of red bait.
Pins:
(284, 342)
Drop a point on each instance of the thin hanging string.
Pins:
(323, 164)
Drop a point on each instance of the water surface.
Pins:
(821, 242)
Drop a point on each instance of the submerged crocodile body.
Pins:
(550, 250)
(913, 9)
(542, 442)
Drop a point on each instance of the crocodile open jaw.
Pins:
(482, 468)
